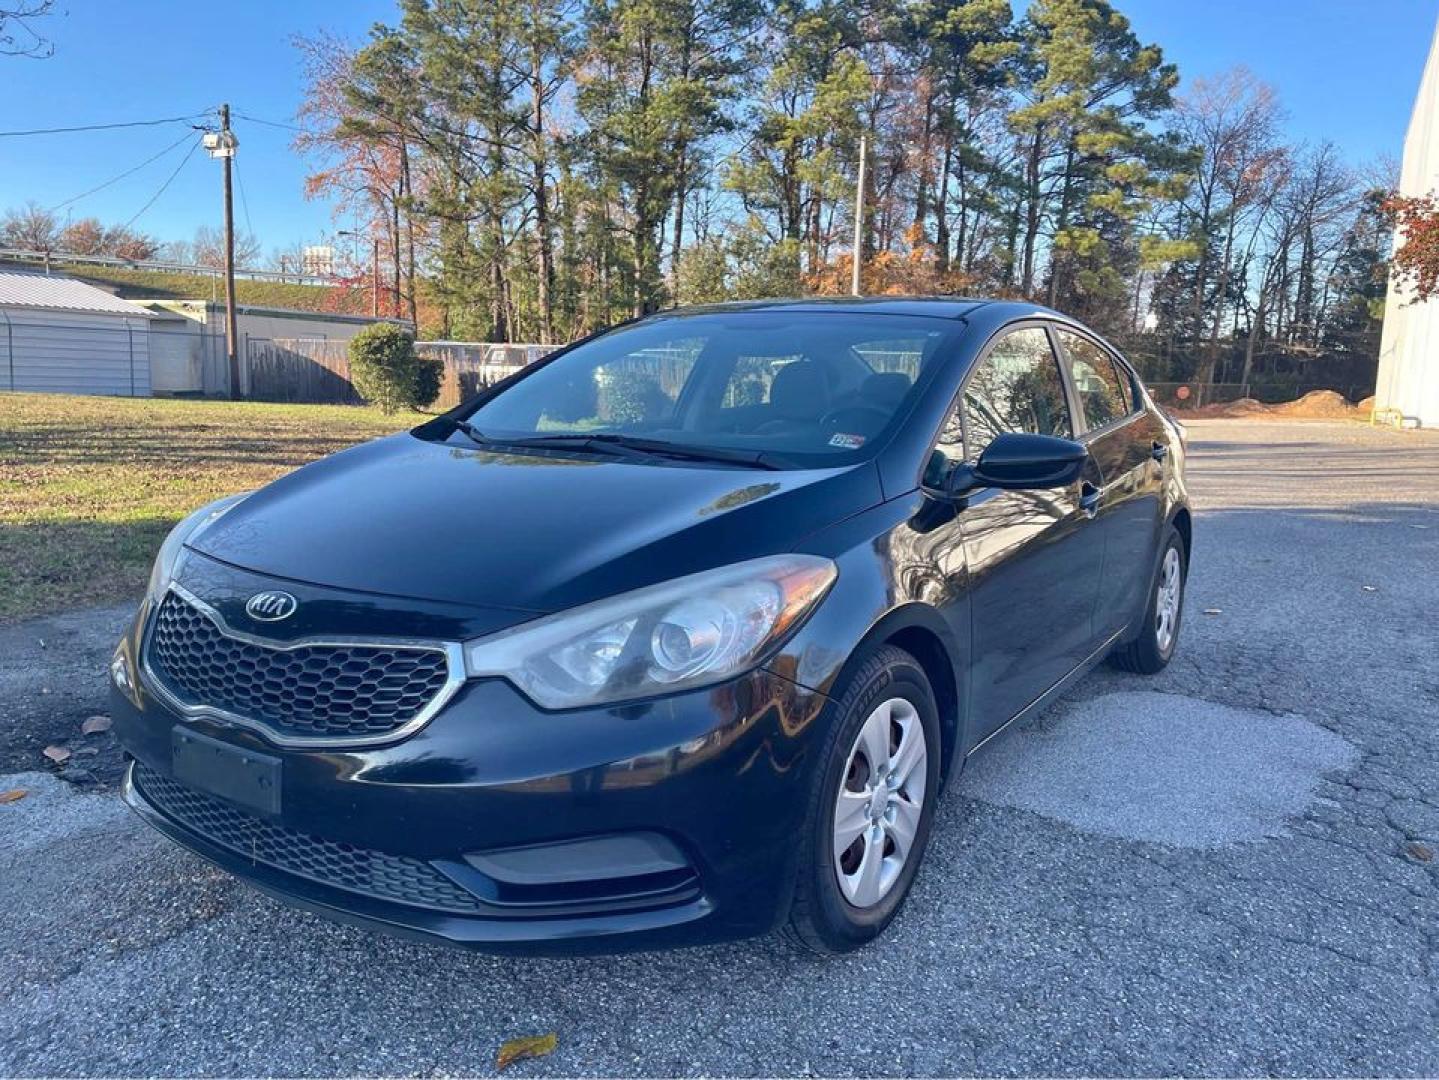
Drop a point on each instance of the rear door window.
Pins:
(1102, 385)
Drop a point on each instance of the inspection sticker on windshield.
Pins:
(846, 441)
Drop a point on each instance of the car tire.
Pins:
(1152, 648)
(845, 899)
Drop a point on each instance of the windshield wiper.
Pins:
(581, 442)
(472, 432)
(634, 444)
(627, 446)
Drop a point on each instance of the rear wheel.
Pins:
(1153, 647)
(870, 814)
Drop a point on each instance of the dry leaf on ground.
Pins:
(13, 795)
(531, 1046)
(58, 754)
(93, 725)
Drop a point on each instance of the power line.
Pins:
(168, 181)
(106, 127)
(269, 123)
(244, 202)
(121, 176)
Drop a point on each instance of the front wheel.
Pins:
(1153, 647)
(871, 811)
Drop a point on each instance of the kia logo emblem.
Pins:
(271, 606)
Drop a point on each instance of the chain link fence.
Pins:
(1194, 395)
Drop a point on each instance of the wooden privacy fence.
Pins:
(318, 372)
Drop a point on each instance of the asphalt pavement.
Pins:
(1229, 869)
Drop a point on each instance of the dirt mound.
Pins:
(1317, 405)
(1222, 409)
(1245, 406)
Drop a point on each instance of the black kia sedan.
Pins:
(674, 637)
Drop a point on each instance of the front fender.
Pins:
(890, 588)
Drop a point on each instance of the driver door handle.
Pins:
(1089, 497)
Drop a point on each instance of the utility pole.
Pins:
(222, 145)
(854, 286)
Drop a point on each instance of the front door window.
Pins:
(1016, 388)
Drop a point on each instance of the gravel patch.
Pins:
(52, 677)
(50, 812)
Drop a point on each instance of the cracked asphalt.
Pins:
(1228, 869)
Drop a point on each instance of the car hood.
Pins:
(405, 516)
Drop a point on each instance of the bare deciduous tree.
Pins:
(18, 36)
(208, 248)
(30, 228)
(1233, 121)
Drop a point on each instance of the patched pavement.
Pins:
(1231, 868)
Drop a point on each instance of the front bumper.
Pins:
(711, 783)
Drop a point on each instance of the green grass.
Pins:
(90, 485)
(154, 285)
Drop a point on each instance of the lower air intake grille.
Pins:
(341, 866)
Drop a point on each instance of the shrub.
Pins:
(384, 367)
(628, 395)
(749, 390)
(429, 371)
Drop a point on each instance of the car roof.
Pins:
(944, 307)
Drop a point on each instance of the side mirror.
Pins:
(1016, 461)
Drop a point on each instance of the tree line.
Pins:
(539, 169)
(34, 228)
(535, 170)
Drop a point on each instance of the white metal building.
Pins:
(60, 335)
(1407, 389)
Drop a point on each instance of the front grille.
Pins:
(315, 691)
(342, 866)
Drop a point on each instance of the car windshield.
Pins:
(812, 389)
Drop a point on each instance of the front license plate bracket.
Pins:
(243, 777)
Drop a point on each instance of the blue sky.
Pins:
(1345, 70)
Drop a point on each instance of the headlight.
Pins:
(168, 560)
(685, 633)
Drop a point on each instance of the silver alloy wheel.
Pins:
(877, 811)
(1166, 601)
